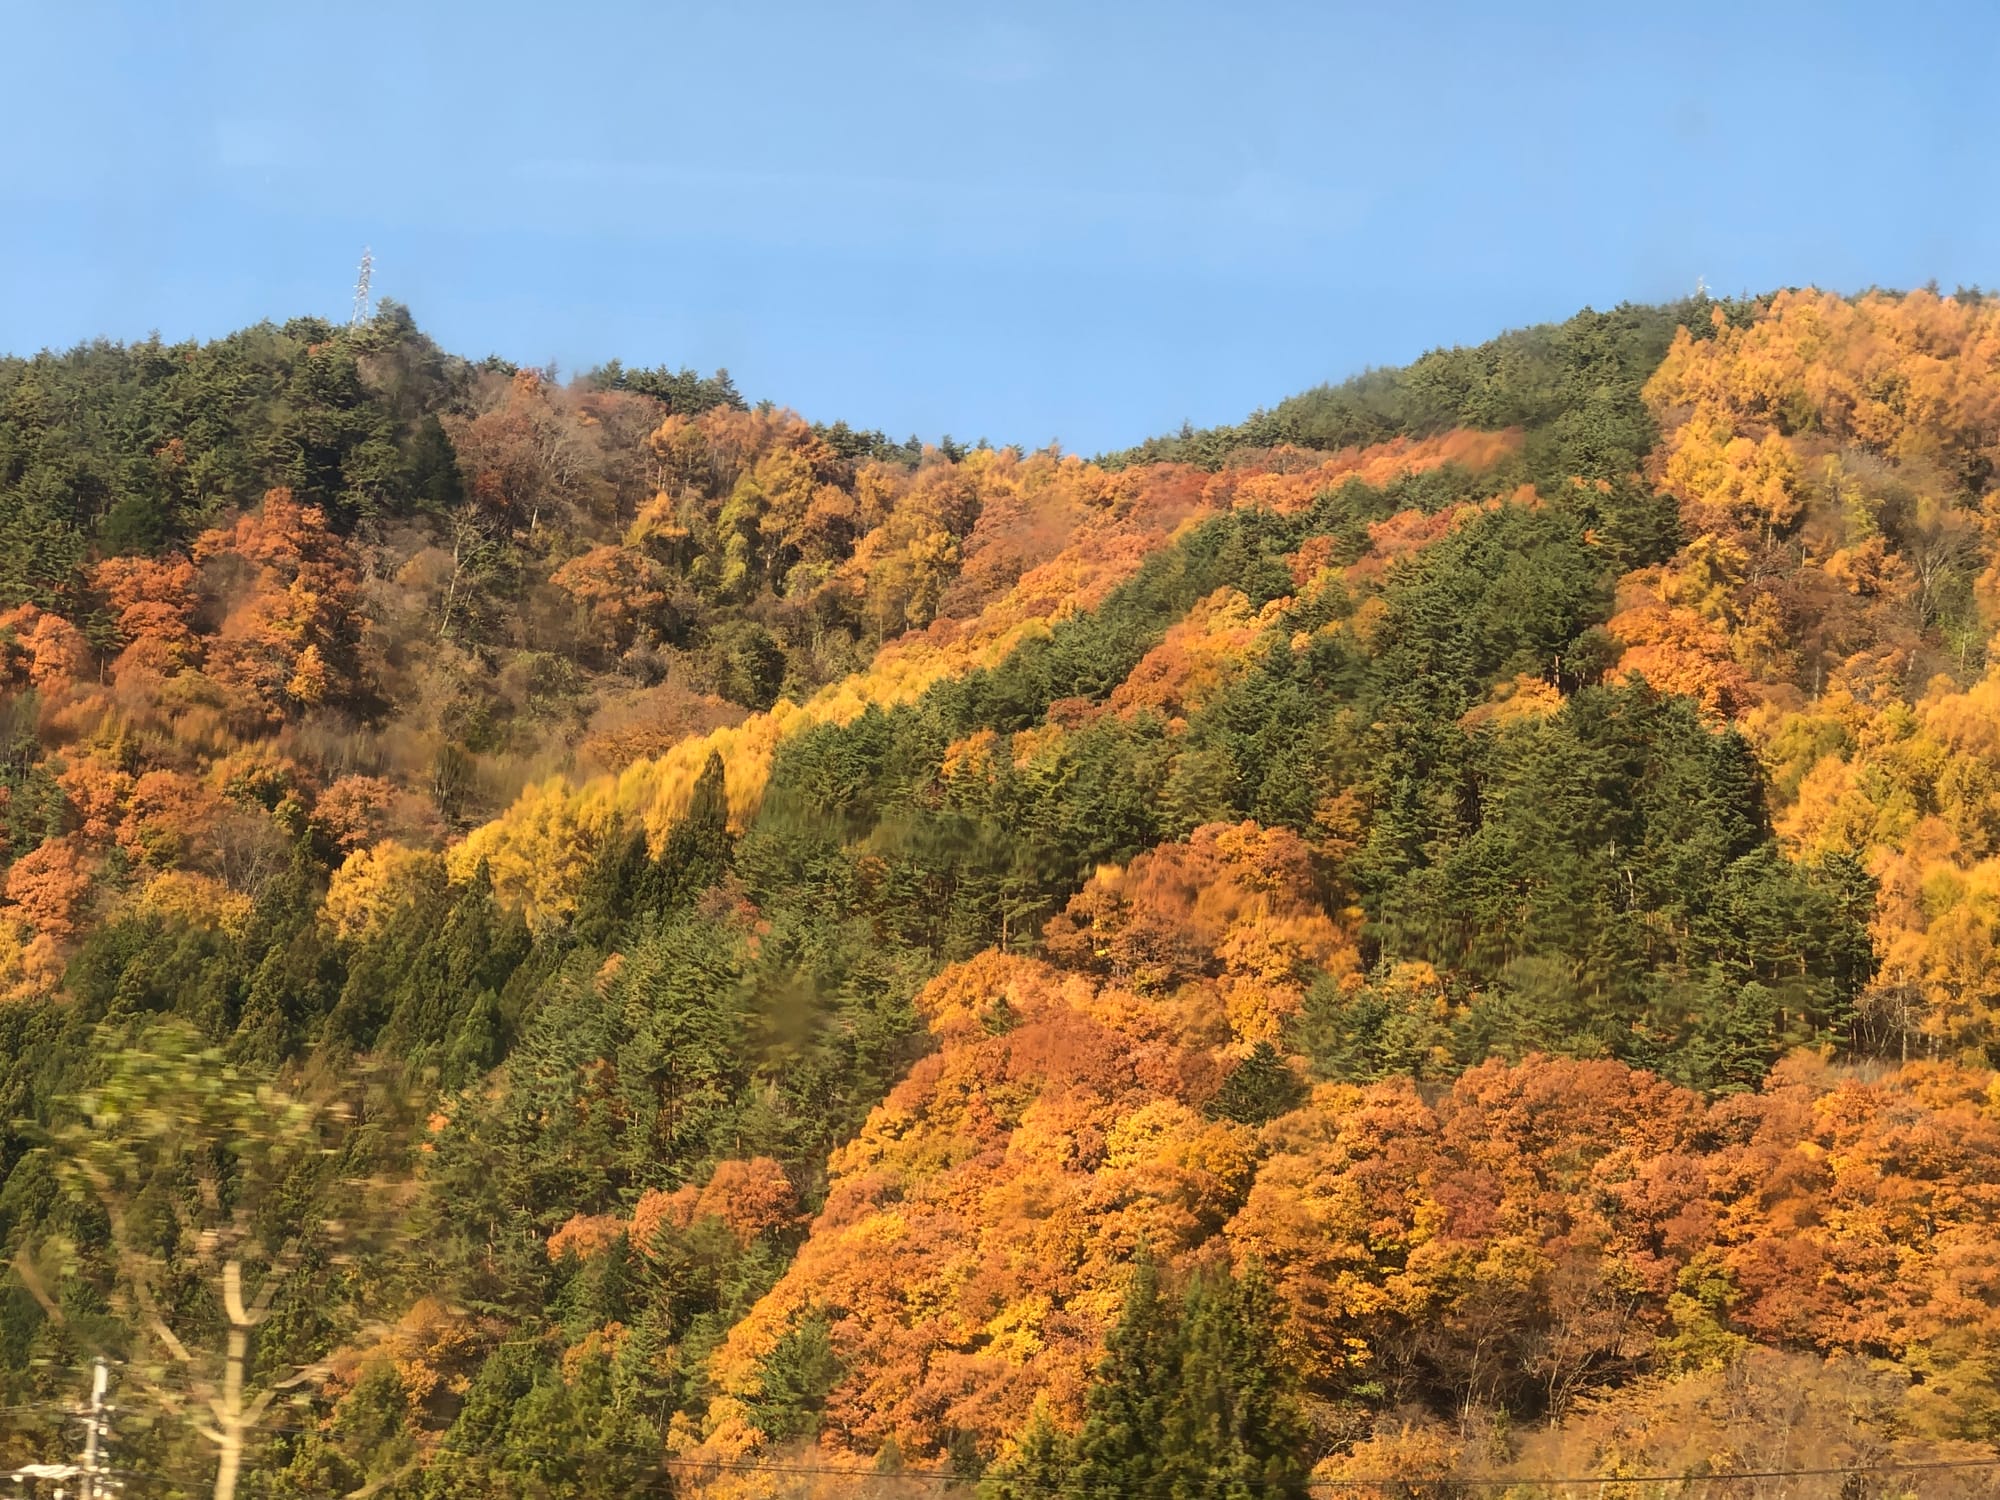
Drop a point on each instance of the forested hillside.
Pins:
(574, 939)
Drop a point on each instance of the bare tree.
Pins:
(223, 1195)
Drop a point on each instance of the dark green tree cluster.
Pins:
(114, 448)
(1602, 881)
(1573, 385)
(683, 392)
(1192, 1402)
(531, 1428)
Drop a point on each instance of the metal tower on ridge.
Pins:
(362, 308)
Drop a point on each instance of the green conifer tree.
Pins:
(1121, 1450)
(1042, 1467)
(697, 850)
(1233, 1430)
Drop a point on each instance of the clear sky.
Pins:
(1082, 221)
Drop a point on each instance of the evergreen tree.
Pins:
(1736, 1037)
(1121, 1450)
(1259, 1088)
(619, 867)
(1042, 1466)
(697, 850)
(795, 1379)
(1233, 1431)
(431, 468)
(1191, 1402)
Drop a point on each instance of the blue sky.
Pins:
(1080, 222)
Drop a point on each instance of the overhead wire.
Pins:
(1070, 1490)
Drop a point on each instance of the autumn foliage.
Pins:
(1540, 1230)
(1487, 877)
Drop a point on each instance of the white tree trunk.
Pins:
(229, 1407)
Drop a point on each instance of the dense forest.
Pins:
(592, 938)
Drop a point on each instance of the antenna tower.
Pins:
(363, 309)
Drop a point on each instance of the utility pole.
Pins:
(362, 308)
(90, 1474)
(94, 1426)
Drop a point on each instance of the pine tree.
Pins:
(796, 1377)
(1233, 1431)
(697, 850)
(1042, 1467)
(1259, 1088)
(443, 993)
(1121, 1450)
(1191, 1403)
(619, 868)
(431, 473)
(1735, 1039)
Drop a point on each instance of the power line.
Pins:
(1073, 1491)
(90, 1468)
(1114, 1492)
(1365, 1481)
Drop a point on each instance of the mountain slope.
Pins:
(1488, 865)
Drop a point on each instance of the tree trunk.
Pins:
(229, 1409)
(229, 1419)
